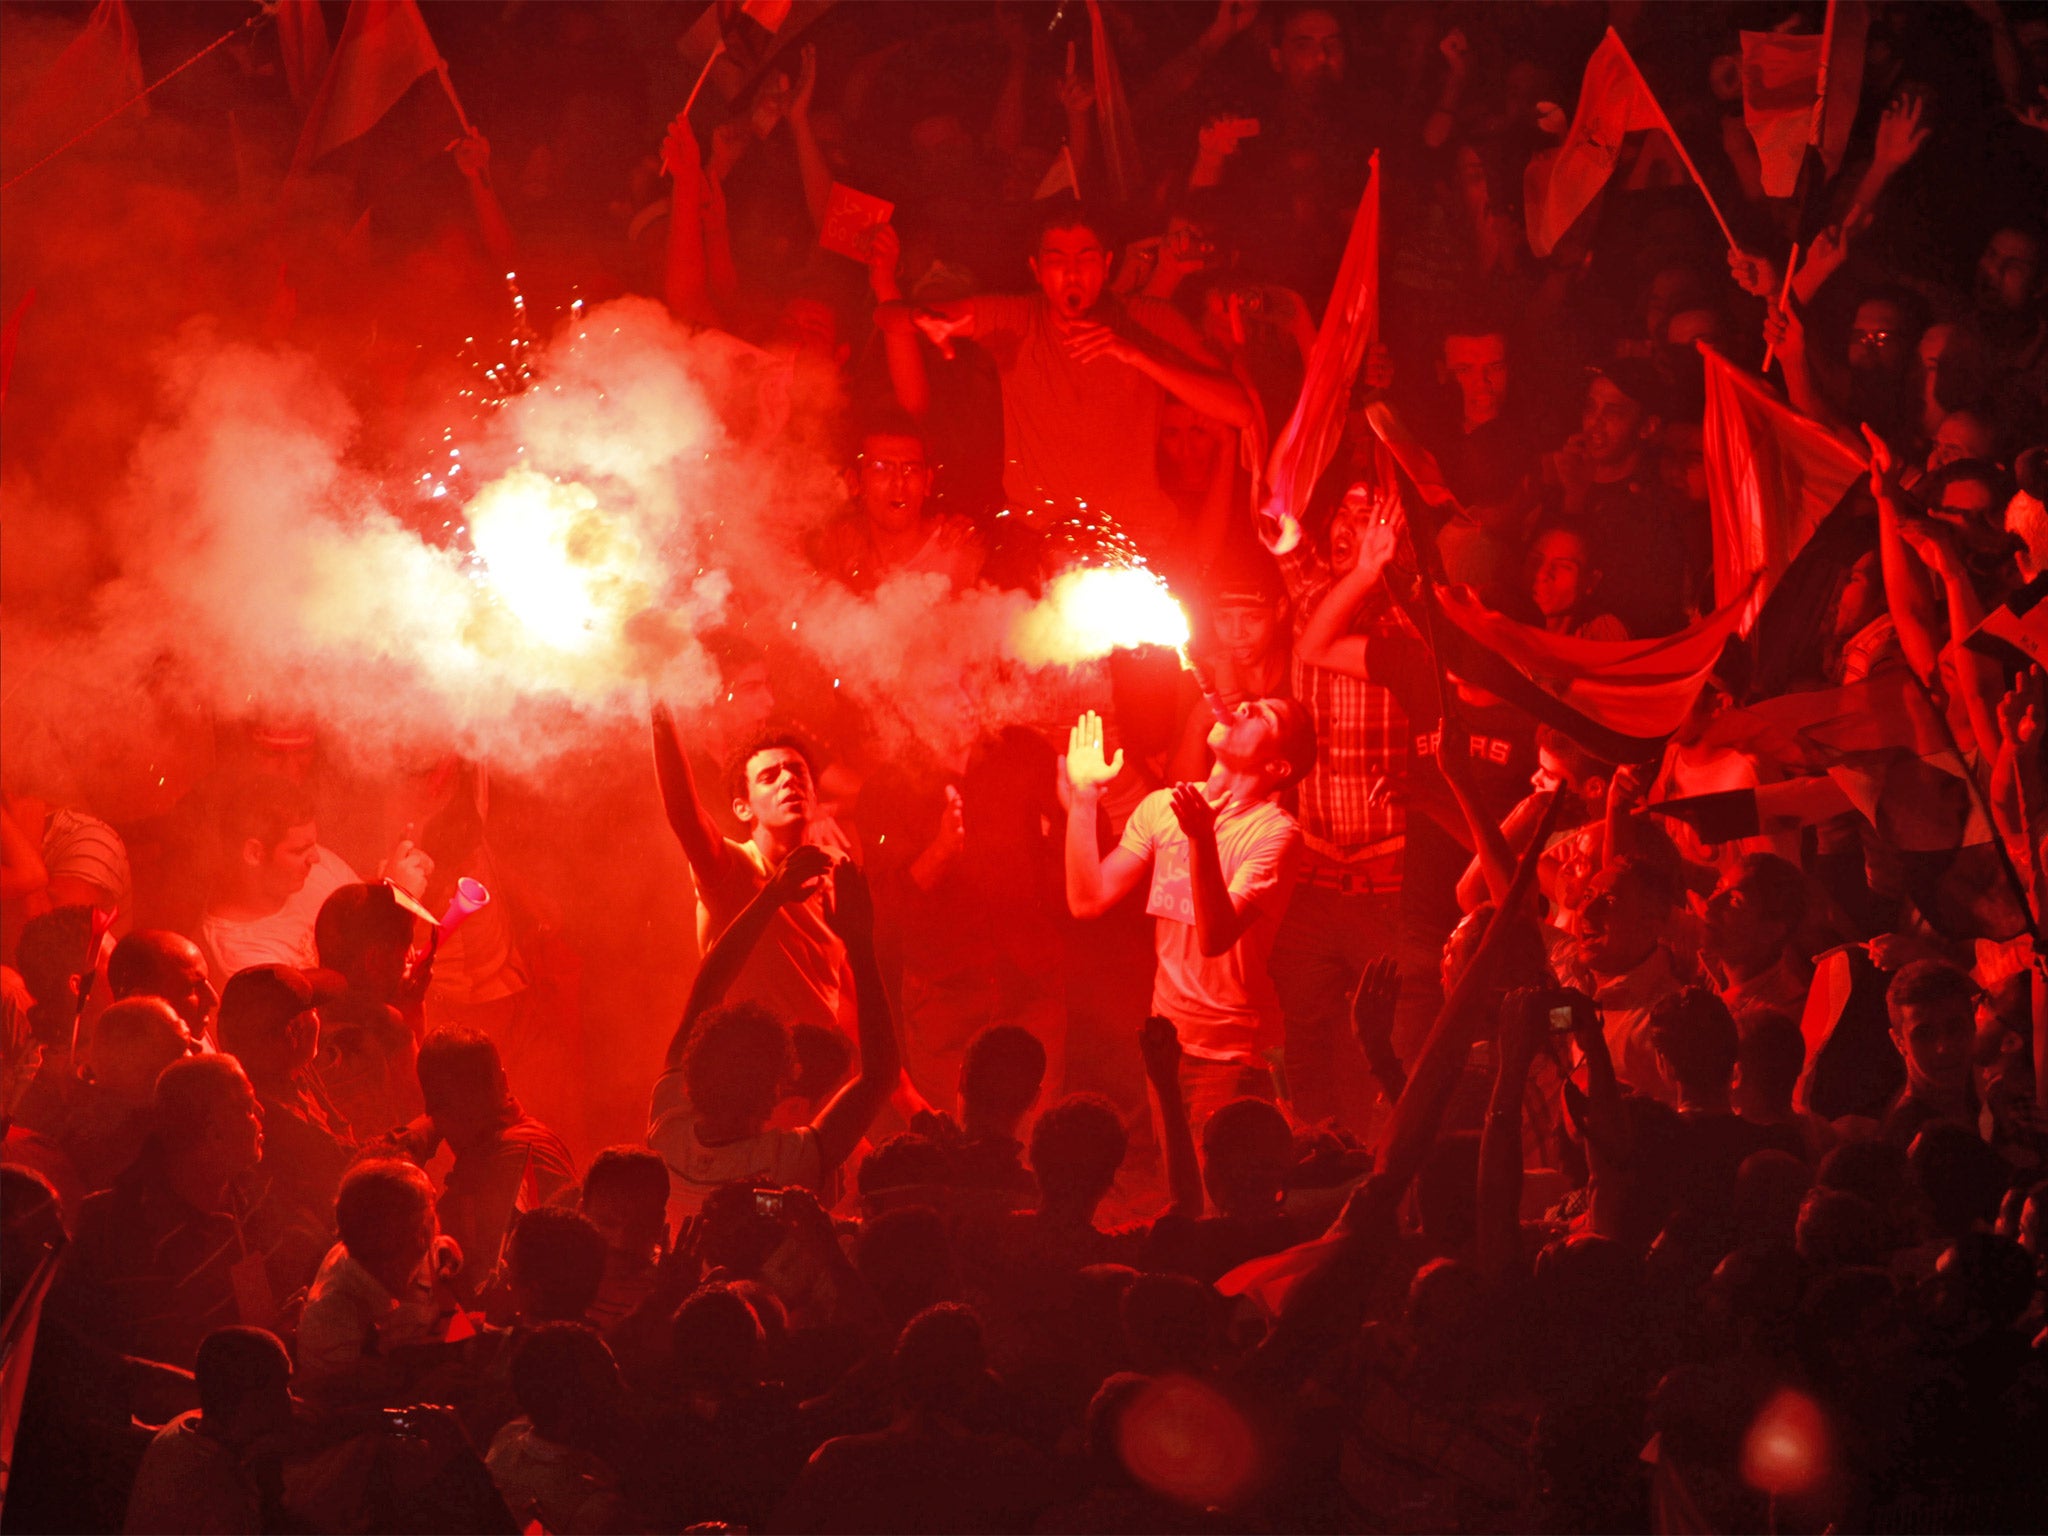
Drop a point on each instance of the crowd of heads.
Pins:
(1595, 1167)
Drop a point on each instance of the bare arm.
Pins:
(1476, 885)
(1159, 1048)
(908, 375)
(1492, 856)
(810, 160)
(1220, 918)
(1094, 883)
(1208, 390)
(703, 844)
(1912, 608)
(1325, 641)
(841, 1123)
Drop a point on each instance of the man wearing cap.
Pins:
(1604, 480)
(268, 1023)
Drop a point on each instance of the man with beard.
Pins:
(799, 966)
(1085, 376)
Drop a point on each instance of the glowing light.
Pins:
(1786, 1450)
(1092, 611)
(569, 573)
(1183, 1438)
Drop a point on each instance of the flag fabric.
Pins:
(771, 14)
(1810, 732)
(1772, 476)
(302, 40)
(1781, 85)
(97, 71)
(1059, 177)
(1308, 438)
(1112, 111)
(385, 47)
(1614, 102)
(2016, 631)
(1886, 751)
(1620, 699)
(1416, 461)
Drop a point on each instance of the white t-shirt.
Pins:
(286, 936)
(694, 1170)
(1225, 1007)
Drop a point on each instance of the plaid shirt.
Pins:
(1361, 733)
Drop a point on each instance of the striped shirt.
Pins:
(1361, 733)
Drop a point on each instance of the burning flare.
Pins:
(1088, 613)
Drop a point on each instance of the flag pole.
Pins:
(1820, 84)
(703, 75)
(1678, 144)
(1784, 295)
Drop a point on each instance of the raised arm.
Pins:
(1159, 1049)
(810, 160)
(1326, 640)
(908, 375)
(841, 1123)
(1491, 855)
(1094, 883)
(798, 877)
(703, 845)
(1220, 917)
(1912, 608)
(1208, 390)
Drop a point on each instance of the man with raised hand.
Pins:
(1222, 857)
(798, 968)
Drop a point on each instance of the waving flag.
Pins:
(1614, 102)
(1620, 699)
(1309, 437)
(1112, 111)
(385, 49)
(1772, 475)
(302, 40)
(1801, 91)
(96, 72)
(1881, 747)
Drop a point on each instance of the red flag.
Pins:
(1112, 110)
(1783, 82)
(1309, 438)
(1629, 688)
(302, 39)
(384, 48)
(1613, 103)
(1772, 475)
(99, 70)
(771, 14)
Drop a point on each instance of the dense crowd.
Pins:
(1324, 1086)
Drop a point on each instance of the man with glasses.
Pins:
(889, 527)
